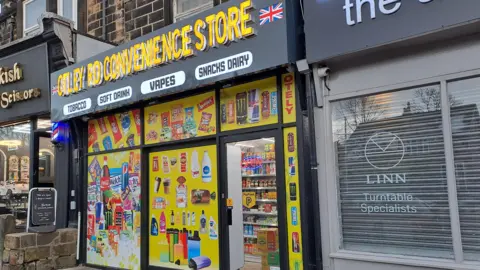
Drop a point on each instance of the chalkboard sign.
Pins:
(43, 207)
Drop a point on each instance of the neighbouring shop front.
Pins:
(193, 157)
(397, 125)
(27, 156)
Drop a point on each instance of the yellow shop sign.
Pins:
(211, 31)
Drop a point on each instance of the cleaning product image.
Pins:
(213, 229)
(206, 168)
(193, 219)
(203, 223)
(163, 223)
(172, 218)
(195, 164)
(154, 226)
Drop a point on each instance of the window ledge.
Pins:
(404, 260)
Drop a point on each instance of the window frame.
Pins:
(31, 29)
(183, 15)
(330, 168)
(74, 11)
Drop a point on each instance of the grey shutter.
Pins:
(391, 174)
(465, 119)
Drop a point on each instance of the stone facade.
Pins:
(40, 251)
(124, 19)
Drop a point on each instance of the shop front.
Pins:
(397, 121)
(191, 144)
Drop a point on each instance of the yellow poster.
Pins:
(289, 98)
(249, 199)
(115, 131)
(249, 105)
(113, 212)
(181, 119)
(294, 226)
(184, 208)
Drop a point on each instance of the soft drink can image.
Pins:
(98, 211)
(125, 176)
(291, 165)
(107, 143)
(294, 216)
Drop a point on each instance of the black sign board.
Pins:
(26, 94)
(265, 47)
(338, 27)
(42, 207)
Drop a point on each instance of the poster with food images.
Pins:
(113, 210)
(181, 119)
(294, 226)
(184, 209)
(249, 105)
(114, 131)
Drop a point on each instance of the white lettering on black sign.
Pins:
(77, 106)
(115, 96)
(223, 66)
(163, 82)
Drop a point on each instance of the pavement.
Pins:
(80, 268)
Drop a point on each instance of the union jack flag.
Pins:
(271, 13)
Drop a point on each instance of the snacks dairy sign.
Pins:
(230, 40)
(212, 31)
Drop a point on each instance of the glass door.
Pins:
(252, 180)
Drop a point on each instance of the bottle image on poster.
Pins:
(190, 210)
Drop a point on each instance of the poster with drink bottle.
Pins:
(181, 119)
(114, 131)
(294, 226)
(113, 213)
(183, 202)
(249, 105)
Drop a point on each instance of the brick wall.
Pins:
(125, 19)
(43, 251)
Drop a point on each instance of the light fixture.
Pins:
(244, 145)
(10, 142)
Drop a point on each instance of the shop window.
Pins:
(14, 170)
(32, 10)
(249, 105)
(465, 119)
(113, 213)
(68, 9)
(186, 8)
(391, 174)
(181, 119)
(116, 131)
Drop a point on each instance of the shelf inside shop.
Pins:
(260, 224)
(250, 236)
(259, 175)
(259, 188)
(253, 258)
(268, 162)
(258, 213)
(266, 200)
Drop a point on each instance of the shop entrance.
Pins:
(253, 187)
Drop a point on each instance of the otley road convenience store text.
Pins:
(216, 29)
